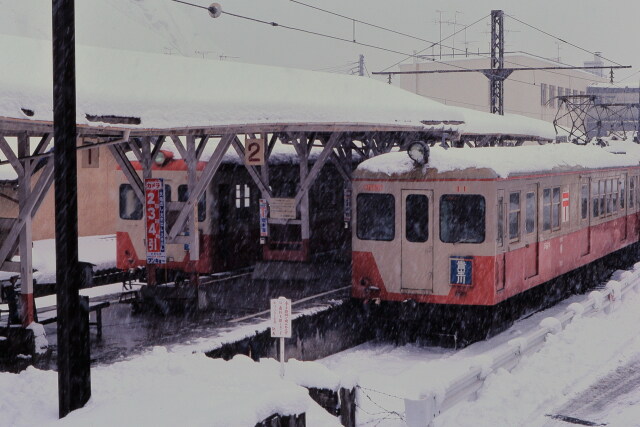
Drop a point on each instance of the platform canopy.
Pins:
(143, 92)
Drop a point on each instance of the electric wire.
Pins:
(560, 39)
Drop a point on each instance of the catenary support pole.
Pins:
(74, 383)
(25, 241)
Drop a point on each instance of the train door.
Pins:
(417, 241)
(585, 218)
(530, 236)
(500, 245)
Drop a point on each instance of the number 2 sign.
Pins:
(254, 151)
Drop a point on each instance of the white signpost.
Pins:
(281, 324)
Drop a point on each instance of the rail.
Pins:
(424, 411)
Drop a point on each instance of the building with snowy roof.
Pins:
(528, 93)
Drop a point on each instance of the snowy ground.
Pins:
(165, 386)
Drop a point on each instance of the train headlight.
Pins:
(419, 152)
(160, 158)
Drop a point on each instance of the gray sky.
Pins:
(163, 26)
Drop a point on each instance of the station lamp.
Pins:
(418, 151)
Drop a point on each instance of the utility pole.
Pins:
(74, 380)
(361, 66)
(498, 74)
(440, 22)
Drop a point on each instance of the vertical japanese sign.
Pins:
(347, 203)
(155, 220)
(264, 215)
(281, 324)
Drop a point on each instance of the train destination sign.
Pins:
(155, 220)
(461, 271)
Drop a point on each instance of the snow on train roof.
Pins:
(504, 161)
(167, 91)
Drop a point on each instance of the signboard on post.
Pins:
(264, 222)
(155, 220)
(254, 151)
(282, 208)
(347, 204)
(281, 324)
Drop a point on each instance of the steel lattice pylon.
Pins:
(590, 118)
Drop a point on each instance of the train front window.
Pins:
(376, 217)
(417, 219)
(130, 205)
(462, 218)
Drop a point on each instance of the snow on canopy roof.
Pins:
(504, 161)
(166, 91)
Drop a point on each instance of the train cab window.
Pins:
(417, 218)
(462, 218)
(130, 205)
(555, 209)
(183, 196)
(376, 217)
(584, 202)
(514, 216)
(530, 214)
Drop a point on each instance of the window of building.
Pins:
(417, 218)
(555, 209)
(183, 196)
(584, 202)
(243, 196)
(575, 92)
(376, 217)
(462, 218)
(530, 215)
(552, 94)
(543, 94)
(130, 205)
(560, 93)
(514, 216)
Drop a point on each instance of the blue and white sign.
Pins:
(461, 270)
(264, 214)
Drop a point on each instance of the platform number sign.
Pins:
(461, 270)
(155, 220)
(254, 151)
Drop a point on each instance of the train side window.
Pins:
(621, 188)
(167, 193)
(609, 201)
(530, 215)
(603, 196)
(130, 205)
(417, 218)
(614, 195)
(183, 196)
(514, 216)
(462, 218)
(632, 189)
(555, 209)
(546, 209)
(500, 228)
(376, 217)
(594, 199)
(584, 202)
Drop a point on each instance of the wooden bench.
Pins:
(92, 307)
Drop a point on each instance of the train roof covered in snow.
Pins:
(133, 90)
(495, 162)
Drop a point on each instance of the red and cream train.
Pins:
(476, 227)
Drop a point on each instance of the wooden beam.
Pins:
(157, 146)
(43, 144)
(205, 178)
(179, 146)
(127, 169)
(315, 170)
(257, 178)
(11, 156)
